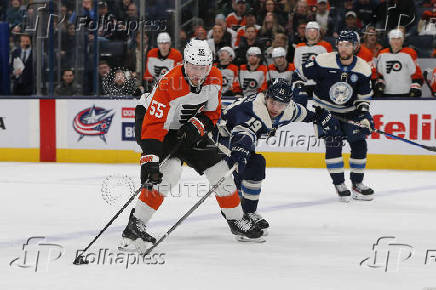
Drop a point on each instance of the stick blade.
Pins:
(80, 260)
(429, 148)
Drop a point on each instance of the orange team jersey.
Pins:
(366, 54)
(253, 82)
(241, 32)
(399, 70)
(157, 65)
(173, 102)
(305, 52)
(233, 20)
(273, 73)
(230, 79)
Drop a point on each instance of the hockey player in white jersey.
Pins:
(253, 75)
(247, 120)
(280, 69)
(398, 74)
(343, 86)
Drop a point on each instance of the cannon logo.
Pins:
(93, 121)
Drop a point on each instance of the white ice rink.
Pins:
(315, 242)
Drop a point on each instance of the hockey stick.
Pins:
(80, 260)
(426, 147)
(193, 208)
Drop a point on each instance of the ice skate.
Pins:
(343, 192)
(134, 237)
(259, 221)
(362, 192)
(245, 230)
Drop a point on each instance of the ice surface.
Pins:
(315, 242)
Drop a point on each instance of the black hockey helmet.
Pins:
(280, 90)
(349, 36)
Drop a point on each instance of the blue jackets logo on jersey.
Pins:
(393, 65)
(341, 93)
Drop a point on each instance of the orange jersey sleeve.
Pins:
(327, 45)
(417, 76)
(264, 85)
(236, 88)
(176, 56)
(433, 81)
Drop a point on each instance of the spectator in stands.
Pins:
(132, 12)
(247, 41)
(398, 74)
(108, 19)
(22, 67)
(365, 10)
(183, 38)
(297, 37)
(325, 17)
(14, 38)
(270, 27)
(370, 41)
(14, 14)
(134, 55)
(280, 40)
(427, 23)
(67, 86)
(103, 71)
(251, 21)
(122, 9)
(86, 13)
(300, 14)
(351, 22)
(229, 34)
(276, 8)
(200, 33)
(160, 60)
(237, 19)
(218, 41)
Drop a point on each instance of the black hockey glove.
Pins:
(379, 88)
(415, 92)
(330, 125)
(191, 132)
(150, 169)
(365, 119)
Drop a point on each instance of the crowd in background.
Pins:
(244, 35)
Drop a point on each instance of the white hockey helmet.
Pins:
(230, 51)
(197, 52)
(313, 25)
(395, 33)
(254, 50)
(163, 37)
(278, 52)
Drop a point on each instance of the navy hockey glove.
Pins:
(415, 90)
(150, 169)
(239, 155)
(191, 132)
(328, 123)
(365, 119)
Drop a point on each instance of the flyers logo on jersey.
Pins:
(308, 57)
(225, 82)
(393, 65)
(249, 83)
(189, 111)
(160, 70)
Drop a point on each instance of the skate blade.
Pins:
(245, 239)
(133, 246)
(345, 198)
(359, 196)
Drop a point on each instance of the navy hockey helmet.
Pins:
(349, 36)
(280, 90)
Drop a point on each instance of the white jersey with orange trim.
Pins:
(173, 102)
(305, 52)
(253, 82)
(230, 78)
(157, 65)
(398, 70)
(274, 73)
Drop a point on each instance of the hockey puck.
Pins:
(80, 261)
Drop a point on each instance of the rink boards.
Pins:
(93, 130)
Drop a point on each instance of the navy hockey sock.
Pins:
(358, 161)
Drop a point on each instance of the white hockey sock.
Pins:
(143, 211)
(234, 213)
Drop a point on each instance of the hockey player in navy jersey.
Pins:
(344, 88)
(248, 119)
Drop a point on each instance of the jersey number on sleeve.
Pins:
(156, 109)
(254, 124)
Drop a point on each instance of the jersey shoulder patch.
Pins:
(327, 60)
